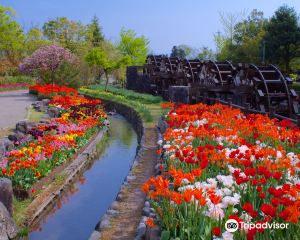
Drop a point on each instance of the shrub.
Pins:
(53, 64)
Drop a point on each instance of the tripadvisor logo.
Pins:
(232, 225)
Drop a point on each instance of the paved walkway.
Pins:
(13, 106)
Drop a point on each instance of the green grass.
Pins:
(16, 79)
(150, 112)
(19, 210)
(128, 94)
(11, 89)
(156, 112)
(34, 116)
(139, 106)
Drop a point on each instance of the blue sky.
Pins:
(164, 22)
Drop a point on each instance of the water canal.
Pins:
(76, 214)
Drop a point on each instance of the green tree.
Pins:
(241, 41)
(283, 37)
(34, 40)
(188, 51)
(250, 27)
(136, 48)
(11, 36)
(248, 37)
(107, 58)
(180, 51)
(95, 32)
(174, 52)
(229, 21)
(67, 33)
(206, 54)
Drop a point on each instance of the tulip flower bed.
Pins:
(47, 90)
(55, 143)
(220, 164)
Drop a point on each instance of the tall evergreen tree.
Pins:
(174, 52)
(96, 32)
(283, 37)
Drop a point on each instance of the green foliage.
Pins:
(296, 86)
(52, 64)
(206, 54)
(11, 36)
(187, 50)
(242, 40)
(178, 52)
(16, 79)
(165, 235)
(283, 37)
(19, 211)
(133, 46)
(295, 64)
(129, 94)
(139, 107)
(108, 58)
(294, 77)
(67, 74)
(95, 32)
(175, 52)
(34, 40)
(67, 33)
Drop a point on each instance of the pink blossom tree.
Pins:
(50, 63)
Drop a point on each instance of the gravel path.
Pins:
(13, 106)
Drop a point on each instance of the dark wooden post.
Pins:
(247, 107)
(272, 111)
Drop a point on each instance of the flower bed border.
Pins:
(41, 205)
(23, 194)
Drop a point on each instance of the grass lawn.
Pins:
(146, 105)
(156, 112)
(33, 115)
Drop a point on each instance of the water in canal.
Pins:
(77, 213)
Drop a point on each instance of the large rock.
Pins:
(18, 136)
(6, 193)
(2, 148)
(53, 112)
(162, 125)
(45, 102)
(22, 126)
(8, 229)
(7, 144)
(41, 106)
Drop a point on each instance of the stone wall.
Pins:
(129, 113)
